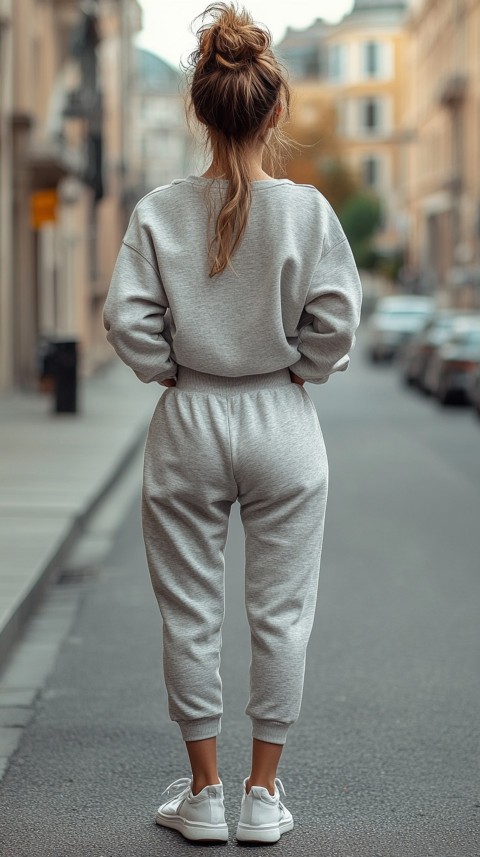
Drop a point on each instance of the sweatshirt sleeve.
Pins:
(133, 314)
(334, 303)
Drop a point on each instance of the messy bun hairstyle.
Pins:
(236, 87)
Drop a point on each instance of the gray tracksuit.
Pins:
(234, 427)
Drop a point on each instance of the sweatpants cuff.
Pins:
(273, 731)
(204, 727)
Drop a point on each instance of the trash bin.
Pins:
(65, 366)
(57, 359)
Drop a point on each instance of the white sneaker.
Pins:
(263, 817)
(200, 817)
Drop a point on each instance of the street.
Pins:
(384, 760)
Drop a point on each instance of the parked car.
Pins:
(418, 350)
(450, 370)
(474, 391)
(395, 319)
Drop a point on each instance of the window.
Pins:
(371, 172)
(370, 115)
(336, 62)
(371, 59)
(303, 61)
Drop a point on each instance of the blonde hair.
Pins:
(236, 86)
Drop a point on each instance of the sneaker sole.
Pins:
(263, 833)
(195, 830)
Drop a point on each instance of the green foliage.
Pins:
(335, 181)
(359, 211)
(360, 216)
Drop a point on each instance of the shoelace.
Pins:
(280, 788)
(176, 788)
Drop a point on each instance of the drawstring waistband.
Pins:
(191, 379)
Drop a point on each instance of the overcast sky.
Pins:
(166, 24)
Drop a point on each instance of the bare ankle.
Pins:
(198, 785)
(266, 783)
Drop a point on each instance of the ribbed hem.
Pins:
(193, 379)
(204, 727)
(273, 731)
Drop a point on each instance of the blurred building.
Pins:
(367, 51)
(441, 161)
(161, 145)
(313, 125)
(305, 52)
(356, 66)
(6, 193)
(66, 189)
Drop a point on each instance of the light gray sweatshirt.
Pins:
(292, 300)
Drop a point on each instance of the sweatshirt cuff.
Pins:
(163, 376)
(339, 366)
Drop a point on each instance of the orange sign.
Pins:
(43, 207)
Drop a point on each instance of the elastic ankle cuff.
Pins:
(204, 727)
(273, 731)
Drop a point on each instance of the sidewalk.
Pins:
(54, 469)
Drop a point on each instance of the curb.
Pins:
(22, 612)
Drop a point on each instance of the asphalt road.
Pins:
(385, 758)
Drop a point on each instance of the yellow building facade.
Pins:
(313, 127)
(357, 77)
(367, 51)
(440, 179)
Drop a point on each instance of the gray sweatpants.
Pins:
(214, 440)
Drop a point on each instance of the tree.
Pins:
(335, 181)
(360, 216)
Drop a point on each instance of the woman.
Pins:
(264, 295)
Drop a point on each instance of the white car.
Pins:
(421, 346)
(451, 367)
(395, 319)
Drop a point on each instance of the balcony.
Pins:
(453, 183)
(452, 91)
(50, 161)
(82, 103)
(5, 13)
(76, 105)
